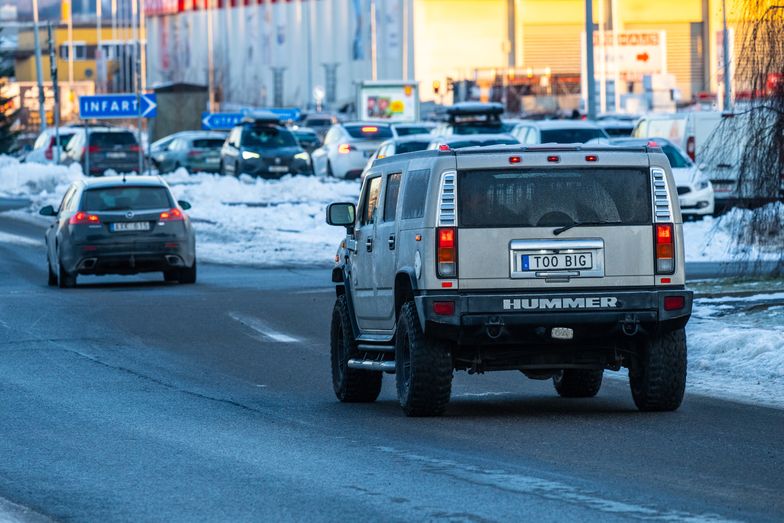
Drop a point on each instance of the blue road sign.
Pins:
(117, 106)
(220, 121)
(285, 113)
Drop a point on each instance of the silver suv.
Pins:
(558, 261)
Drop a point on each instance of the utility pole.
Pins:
(727, 72)
(70, 46)
(38, 69)
(373, 43)
(210, 59)
(137, 77)
(56, 91)
(589, 71)
(100, 72)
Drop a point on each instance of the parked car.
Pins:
(347, 148)
(412, 128)
(319, 122)
(119, 225)
(474, 140)
(695, 192)
(617, 124)
(194, 150)
(471, 118)
(98, 149)
(261, 146)
(391, 147)
(307, 138)
(45, 149)
(557, 131)
(690, 131)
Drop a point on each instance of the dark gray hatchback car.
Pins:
(119, 225)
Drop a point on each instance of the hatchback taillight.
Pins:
(447, 252)
(93, 149)
(665, 248)
(691, 148)
(81, 218)
(172, 215)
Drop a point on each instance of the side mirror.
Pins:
(342, 214)
(702, 166)
(185, 205)
(47, 211)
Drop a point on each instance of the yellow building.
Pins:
(455, 38)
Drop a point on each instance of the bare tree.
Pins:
(749, 142)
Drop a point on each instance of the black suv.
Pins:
(261, 147)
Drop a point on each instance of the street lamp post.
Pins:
(38, 68)
(727, 76)
(589, 69)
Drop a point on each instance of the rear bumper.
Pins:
(595, 318)
(129, 258)
(261, 169)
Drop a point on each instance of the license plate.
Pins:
(722, 187)
(278, 169)
(557, 262)
(130, 226)
(115, 155)
(212, 160)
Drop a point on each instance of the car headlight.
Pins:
(250, 155)
(305, 157)
(702, 184)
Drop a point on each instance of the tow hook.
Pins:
(630, 325)
(494, 327)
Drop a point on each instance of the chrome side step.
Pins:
(384, 366)
(375, 348)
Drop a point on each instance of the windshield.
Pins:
(369, 132)
(208, 143)
(538, 198)
(571, 135)
(126, 198)
(408, 130)
(112, 139)
(267, 137)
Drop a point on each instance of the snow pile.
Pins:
(36, 181)
(263, 222)
(711, 239)
(736, 348)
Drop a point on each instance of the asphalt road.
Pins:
(132, 399)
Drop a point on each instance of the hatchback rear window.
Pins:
(369, 132)
(537, 198)
(112, 139)
(571, 135)
(126, 199)
(408, 131)
(208, 143)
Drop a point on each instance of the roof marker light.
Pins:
(515, 159)
(591, 158)
(554, 159)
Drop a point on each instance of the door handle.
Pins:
(391, 242)
(369, 244)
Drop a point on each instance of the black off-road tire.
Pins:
(52, 275)
(188, 274)
(423, 367)
(659, 380)
(350, 385)
(171, 276)
(330, 173)
(578, 383)
(65, 280)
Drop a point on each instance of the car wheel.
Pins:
(658, 379)
(423, 367)
(236, 172)
(65, 280)
(350, 385)
(52, 275)
(171, 276)
(330, 173)
(188, 275)
(222, 169)
(578, 383)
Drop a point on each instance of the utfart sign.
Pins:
(635, 53)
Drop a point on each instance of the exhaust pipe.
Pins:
(494, 328)
(173, 260)
(88, 263)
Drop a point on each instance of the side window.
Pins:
(67, 199)
(371, 200)
(530, 136)
(332, 136)
(390, 197)
(415, 194)
(234, 140)
(73, 203)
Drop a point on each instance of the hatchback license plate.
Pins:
(557, 262)
(115, 155)
(130, 226)
(278, 169)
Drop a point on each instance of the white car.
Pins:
(695, 191)
(44, 149)
(347, 148)
(557, 131)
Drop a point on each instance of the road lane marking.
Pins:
(262, 328)
(19, 240)
(545, 488)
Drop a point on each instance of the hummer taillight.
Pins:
(665, 248)
(447, 252)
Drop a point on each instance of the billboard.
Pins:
(394, 101)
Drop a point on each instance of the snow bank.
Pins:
(36, 181)
(711, 240)
(736, 348)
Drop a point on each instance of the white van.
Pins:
(690, 131)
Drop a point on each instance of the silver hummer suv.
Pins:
(558, 261)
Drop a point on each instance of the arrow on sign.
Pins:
(149, 105)
(642, 57)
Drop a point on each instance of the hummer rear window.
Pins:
(543, 198)
(415, 193)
